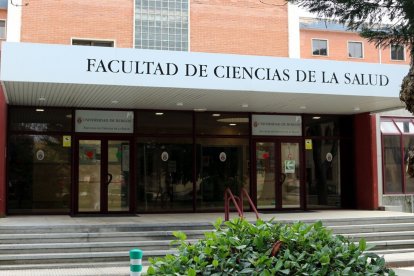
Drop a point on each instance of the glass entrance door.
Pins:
(103, 176)
(278, 174)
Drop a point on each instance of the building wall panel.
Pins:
(239, 27)
(57, 21)
(338, 47)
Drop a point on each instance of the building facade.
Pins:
(176, 100)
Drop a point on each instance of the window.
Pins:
(319, 47)
(161, 25)
(39, 175)
(86, 42)
(397, 52)
(355, 50)
(2, 29)
(398, 155)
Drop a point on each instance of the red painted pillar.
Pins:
(3, 136)
(366, 171)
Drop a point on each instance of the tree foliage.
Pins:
(382, 22)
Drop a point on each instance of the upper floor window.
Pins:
(2, 29)
(161, 24)
(88, 42)
(355, 49)
(319, 47)
(397, 52)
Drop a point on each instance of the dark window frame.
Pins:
(401, 136)
(355, 43)
(93, 42)
(4, 29)
(317, 49)
(396, 51)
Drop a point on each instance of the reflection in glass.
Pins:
(89, 177)
(405, 127)
(290, 176)
(324, 126)
(409, 163)
(28, 119)
(39, 174)
(323, 178)
(222, 123)
(165, 122)
(392, 164)
(165, 178)
(265, 175)
(221, 163)
(118, 175)
(389, 127)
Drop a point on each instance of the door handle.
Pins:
(282, 178)
(109, 179)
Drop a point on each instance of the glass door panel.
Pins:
(118, 175)
(290, 175)
(265, 175)
(89, 176)
(164, 173)
(278, 174)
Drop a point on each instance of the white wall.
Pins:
(294, 31)
(14, 20)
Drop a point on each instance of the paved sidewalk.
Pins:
(192, 218)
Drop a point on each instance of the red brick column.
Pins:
(366, 171)
(3, 136)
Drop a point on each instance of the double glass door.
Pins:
(103, 175)
(278, 174)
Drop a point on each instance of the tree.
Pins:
(382, 22)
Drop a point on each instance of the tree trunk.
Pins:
(407, 86)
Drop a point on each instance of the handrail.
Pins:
(238, 203)
(244, 192)
(227, 196)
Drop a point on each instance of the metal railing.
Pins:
(238, 203)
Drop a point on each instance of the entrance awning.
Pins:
(97, 77)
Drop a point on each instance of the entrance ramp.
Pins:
(46, 242)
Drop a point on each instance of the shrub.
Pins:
(238, 247)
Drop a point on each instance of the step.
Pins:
(82, 257)
(405, 259)
(381, 236)
(392, 251)
(85, 247)
(95, 237)
(358, 221)
(31, 267)
(391, 244)
(97, 228)
(391, 227)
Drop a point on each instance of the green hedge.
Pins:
(238, 247)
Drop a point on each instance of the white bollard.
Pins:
(135, 256)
